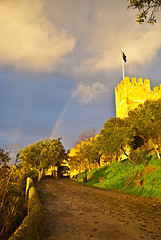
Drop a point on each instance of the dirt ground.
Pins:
(74, 211)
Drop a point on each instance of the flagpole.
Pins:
(123, 69)
(123, 65)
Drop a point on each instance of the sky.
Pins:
(60, 62)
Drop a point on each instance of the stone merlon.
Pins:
(132, 92)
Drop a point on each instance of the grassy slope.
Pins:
(139, 179)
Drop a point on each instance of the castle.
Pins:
(132, 92)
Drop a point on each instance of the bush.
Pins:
(13, 206)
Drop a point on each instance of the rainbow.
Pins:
(22, 119)
(58, 121)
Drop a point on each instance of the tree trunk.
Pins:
(40, 174)
(127, 155)
(156, 150)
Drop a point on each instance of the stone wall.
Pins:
(132, 92)
(33, 225)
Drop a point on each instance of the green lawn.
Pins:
(139, 179)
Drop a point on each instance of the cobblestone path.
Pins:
(74, 211)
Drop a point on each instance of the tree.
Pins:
(75, 159)
(85, 135)
(96, 152)
(116, 137)
(42, 154)
(147, 9)
(56, 152)
(85, 155)
(4, 156)
(146, 120)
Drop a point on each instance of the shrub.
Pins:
(13, 205)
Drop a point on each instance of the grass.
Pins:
(142, 179)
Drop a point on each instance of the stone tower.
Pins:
(132, 92)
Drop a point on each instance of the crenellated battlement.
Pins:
(134, 82)
(132, 92)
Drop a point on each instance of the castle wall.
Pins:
(132, 92)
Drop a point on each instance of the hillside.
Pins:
(141, 179)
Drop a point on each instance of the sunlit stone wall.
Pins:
(132, 92)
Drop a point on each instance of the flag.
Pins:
(124, 60)
(124, 57)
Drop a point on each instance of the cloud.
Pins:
(86, 37)
(28, 39)
(89, 93)
(140, 49)
(117, 30)
(102, 29)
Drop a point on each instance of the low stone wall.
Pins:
(33, 225)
